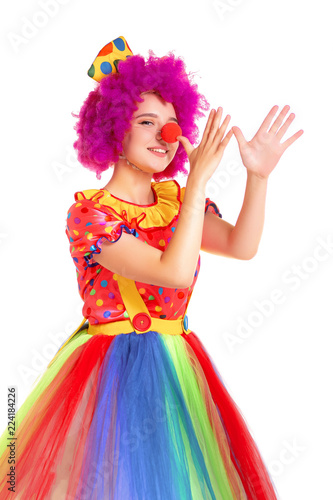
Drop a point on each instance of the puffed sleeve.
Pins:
(212, 207)
(89, 224)
(209, 204)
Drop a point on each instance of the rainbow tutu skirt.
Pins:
(133, 417)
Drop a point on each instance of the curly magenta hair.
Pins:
(105, 115)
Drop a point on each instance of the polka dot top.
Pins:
(97, 216)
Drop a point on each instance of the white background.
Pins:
(248, 56)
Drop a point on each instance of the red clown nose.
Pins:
(170, 132)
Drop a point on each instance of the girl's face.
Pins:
(145, 136)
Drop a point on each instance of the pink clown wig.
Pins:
(105, 115)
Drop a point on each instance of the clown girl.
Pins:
(132, 406)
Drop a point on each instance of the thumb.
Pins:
(186, 144)
(239, 136)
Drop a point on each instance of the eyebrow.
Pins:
(155, 116)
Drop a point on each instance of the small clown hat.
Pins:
(108, 57)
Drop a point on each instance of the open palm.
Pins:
(261, 154)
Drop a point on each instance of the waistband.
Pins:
(141, 323)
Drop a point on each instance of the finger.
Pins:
(220, 132)
(268, 119)
(291, 139)
(239, 136)
(225, 141)
(186, 143)
(214, 127)
(279, 119)
(207, 128)
(285, 126)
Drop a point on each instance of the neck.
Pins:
(131, 184)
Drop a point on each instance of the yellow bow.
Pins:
(108, 57)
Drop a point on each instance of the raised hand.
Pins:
(261, 154)
(205, 159)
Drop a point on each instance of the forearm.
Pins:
(245, 237)
(183, 250)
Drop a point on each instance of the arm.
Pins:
(242, 240)
(175, 267)
(260, 156)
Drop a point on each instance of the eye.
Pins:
(146, 121)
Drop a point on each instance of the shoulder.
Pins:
(87, 194)
(89, 212)
(91, 202)
(96, 204)
(93, 195)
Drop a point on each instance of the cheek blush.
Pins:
(170, 132)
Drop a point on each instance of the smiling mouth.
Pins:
(158, 150)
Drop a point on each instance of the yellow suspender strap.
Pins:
(131, 297)
(139, 318)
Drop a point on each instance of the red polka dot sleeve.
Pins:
(212, 207)
(88, 227)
